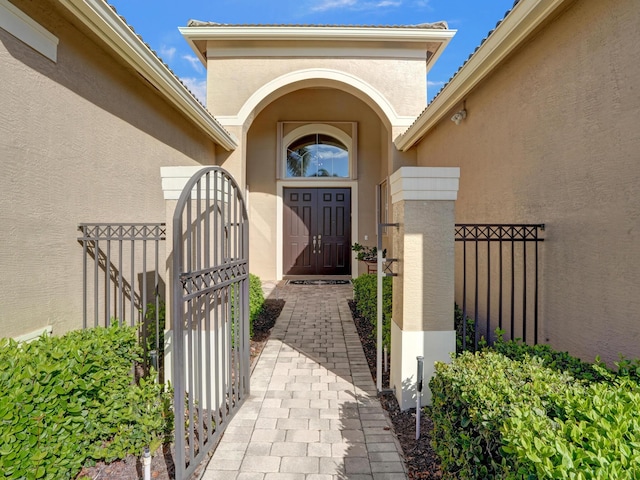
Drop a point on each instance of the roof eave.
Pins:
(316, 33)
(525, 17)
(102, 20)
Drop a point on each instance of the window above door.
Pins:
(316, 151)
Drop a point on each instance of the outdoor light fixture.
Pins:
(459, 116)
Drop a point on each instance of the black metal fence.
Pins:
(497, 280)
(121, 279)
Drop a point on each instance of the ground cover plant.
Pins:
(70, 400)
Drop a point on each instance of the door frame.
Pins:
(306, 183)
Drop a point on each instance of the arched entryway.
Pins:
(314, 156)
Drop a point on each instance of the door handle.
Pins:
(319, 243)
(314, 244)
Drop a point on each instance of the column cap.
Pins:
(425, 183)
(174, 179)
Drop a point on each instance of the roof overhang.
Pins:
(325, 40)
(517, 26)
(104, 22)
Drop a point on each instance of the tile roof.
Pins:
(421, 26)
(124, 20)
(476, 49)
(460, 68)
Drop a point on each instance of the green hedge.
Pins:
(256, 299)
(365, 293)
(70, 400)
(495, 417)
(562, 361)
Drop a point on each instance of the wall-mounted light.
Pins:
(459, 116)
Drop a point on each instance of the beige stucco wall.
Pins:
(308, 105)
(244, 76)
(552, 136)
(81, 140)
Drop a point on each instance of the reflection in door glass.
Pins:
(317, 155)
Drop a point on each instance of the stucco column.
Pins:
(423, 292)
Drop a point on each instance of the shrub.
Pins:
(495, 417)
(150, 326)
(256, 299)
(562, 361)
(470, 331)
(365, 294)
(70, 400)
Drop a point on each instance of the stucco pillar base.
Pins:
(433, 346)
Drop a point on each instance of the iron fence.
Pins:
(121, 279)
(498, 286)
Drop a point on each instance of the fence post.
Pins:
(423, 291)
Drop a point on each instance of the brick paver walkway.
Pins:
(313, 413)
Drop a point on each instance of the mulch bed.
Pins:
(420, 458)
(162, 467)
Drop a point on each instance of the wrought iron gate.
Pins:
(210, 313)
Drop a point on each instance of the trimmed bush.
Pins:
(365, 293)
(256, 299)
(470, 331)
(70, 400)
(495, 417)
(562, 361)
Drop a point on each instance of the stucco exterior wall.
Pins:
(81, 140)
(552, 137)
(244, 76)
(317, 106)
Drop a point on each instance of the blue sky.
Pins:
(157, 21)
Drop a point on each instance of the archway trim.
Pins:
(316, 77)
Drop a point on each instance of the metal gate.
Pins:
(210, 313)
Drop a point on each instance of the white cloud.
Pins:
(432, 84)
(167, 53)
(325, 5)
(195, 62)
(198, 87)
(333, 4)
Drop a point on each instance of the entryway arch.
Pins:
(308, 111)
(314, 78)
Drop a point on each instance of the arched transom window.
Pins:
(317, 151)
(317, 155)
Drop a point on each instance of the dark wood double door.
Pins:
(317, 231)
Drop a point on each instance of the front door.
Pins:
(317, 231)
